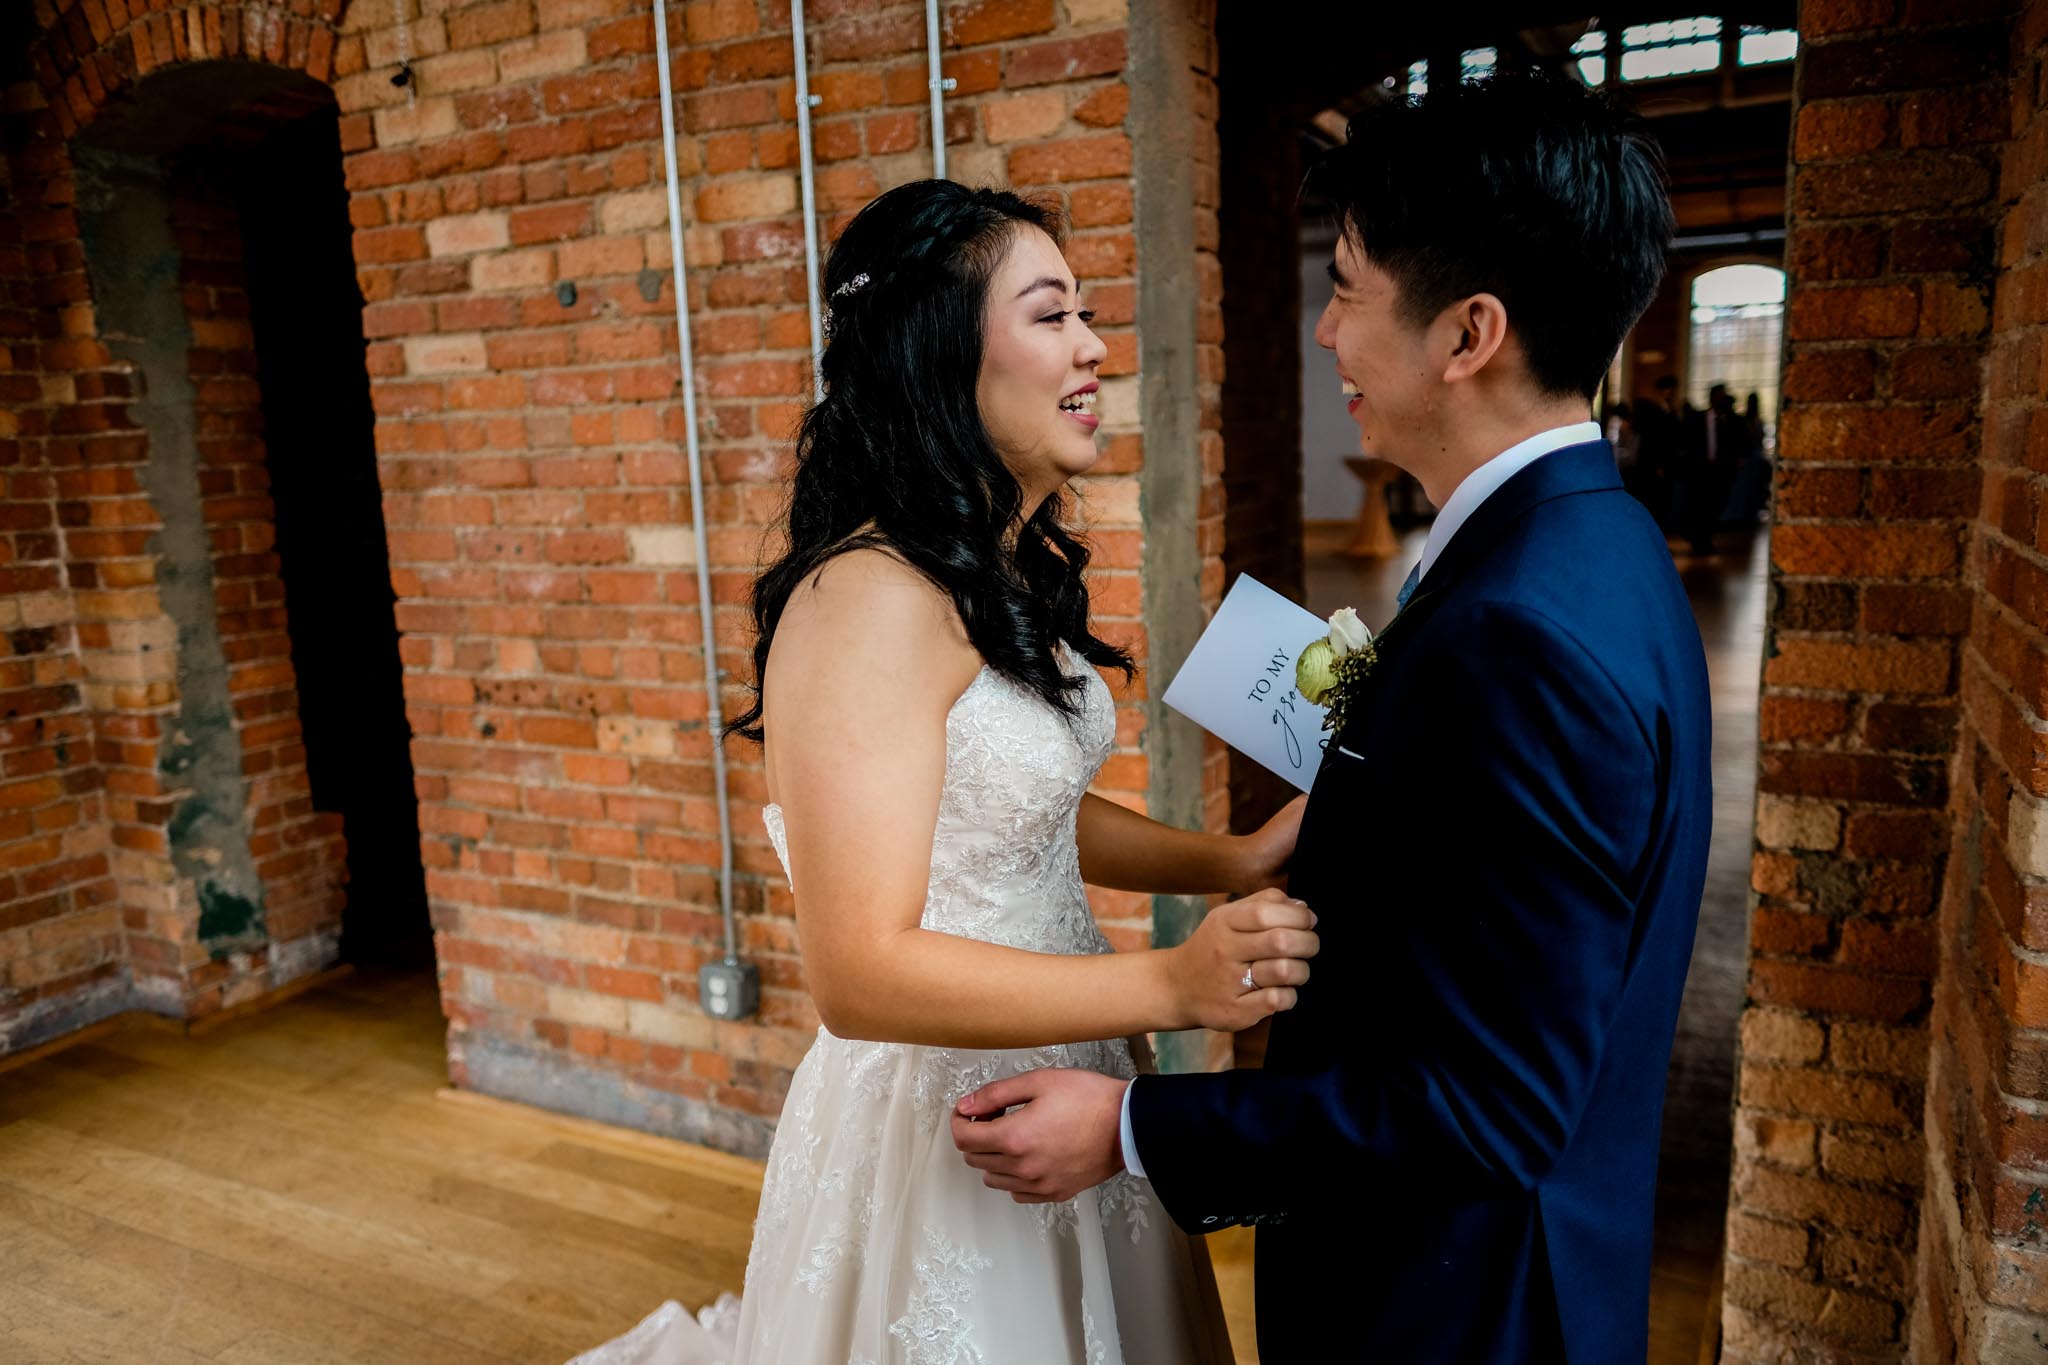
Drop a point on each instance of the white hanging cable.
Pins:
(939, 85)
(805, 102)
(714, 718)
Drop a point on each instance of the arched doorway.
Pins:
(1735, 331)
(215, 233)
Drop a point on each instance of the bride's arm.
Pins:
(866, 663)
(1126, 851)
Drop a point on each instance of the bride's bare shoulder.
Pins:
(868, 611)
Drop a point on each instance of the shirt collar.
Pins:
(1482, 482)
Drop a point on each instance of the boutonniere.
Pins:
(1330, 669)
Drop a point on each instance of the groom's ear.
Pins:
(1481, 325)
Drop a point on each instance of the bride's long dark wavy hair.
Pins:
(896, 457)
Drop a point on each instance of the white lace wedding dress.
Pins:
(875, 1242)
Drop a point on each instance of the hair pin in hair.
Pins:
(852, 286)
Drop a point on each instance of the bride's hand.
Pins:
(1264, 854)
(1268, 935)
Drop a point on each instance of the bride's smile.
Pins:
(1080, 405)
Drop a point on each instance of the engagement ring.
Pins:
(1248, 983)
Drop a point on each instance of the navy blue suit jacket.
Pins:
(1451, 1152)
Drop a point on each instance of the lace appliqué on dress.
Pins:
(934, 1330)
(1097, 1350)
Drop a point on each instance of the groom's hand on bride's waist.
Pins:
(1058, 1138)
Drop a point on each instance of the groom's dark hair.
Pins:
(1524, 185)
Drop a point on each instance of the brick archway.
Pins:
(90, 51)
(190, 869)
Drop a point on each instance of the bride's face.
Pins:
(1037, 386)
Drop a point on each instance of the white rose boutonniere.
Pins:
(1329, 670)
(1348, 634)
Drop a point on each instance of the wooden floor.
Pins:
(291, 1188)
(299, 1186)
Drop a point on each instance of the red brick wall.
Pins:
(1984, 1279)
(61, 958)
(1203, 108)
(536, 496)
(536, 487)
(1894, 205)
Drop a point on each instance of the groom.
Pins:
(1451, 1151)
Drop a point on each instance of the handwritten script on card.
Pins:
(1238, 682)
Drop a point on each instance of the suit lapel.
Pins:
(1587, 468)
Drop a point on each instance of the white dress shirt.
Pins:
(1478, 486)
(1482, 482)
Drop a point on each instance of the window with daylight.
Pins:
(1675, 47)
(1679, 47)
(1591, 52)
(1738, 319)
(1763, 46)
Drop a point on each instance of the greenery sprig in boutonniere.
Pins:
(1329, 670)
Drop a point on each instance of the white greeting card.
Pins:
(1238, 682)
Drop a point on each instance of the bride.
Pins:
(932, 717)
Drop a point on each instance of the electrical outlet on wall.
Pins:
(729, 988)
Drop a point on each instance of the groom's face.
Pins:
(1381, 357)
